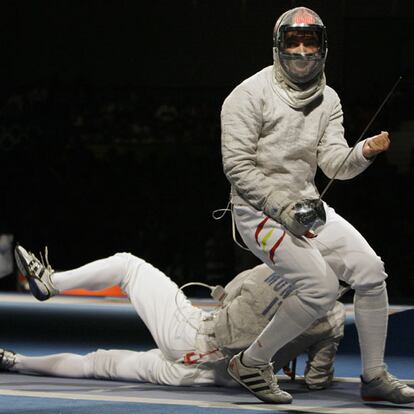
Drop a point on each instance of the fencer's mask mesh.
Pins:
(300, 45)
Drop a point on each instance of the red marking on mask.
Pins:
(303, 17)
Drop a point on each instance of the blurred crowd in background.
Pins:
(90, 171)
(110, 128)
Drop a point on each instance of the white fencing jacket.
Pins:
(271, 151)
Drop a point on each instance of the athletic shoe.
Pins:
(36, 272)
(386, 388)
(7, 359)
(260, 381)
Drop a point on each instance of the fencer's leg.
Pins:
(122, 365)
(165, 310)
(58, 365)
(300, 264)
(292, 318)
(371, 319)
(170, 317)
(150, 366)
(44, 282)
(96, 275)
(355, 262)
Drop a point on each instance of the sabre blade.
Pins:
(361, 136)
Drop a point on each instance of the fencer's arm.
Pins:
(333, 149)
(241, 124)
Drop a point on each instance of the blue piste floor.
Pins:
(64, 406)
(83, 325)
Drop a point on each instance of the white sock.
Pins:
(93, 276)
(371, 319)
(58, 365)
(291, 319)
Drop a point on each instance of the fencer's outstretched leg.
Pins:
(96, 275)
(44, 282)
(161, 305)
(149, 366)
(57, 365)
(122, 365)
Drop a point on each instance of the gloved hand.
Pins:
(299, 217)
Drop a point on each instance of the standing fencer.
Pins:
(278, 126)
(193, 345)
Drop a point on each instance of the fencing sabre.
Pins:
(307, 210)
(361, 136)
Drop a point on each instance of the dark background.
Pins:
(110, 134)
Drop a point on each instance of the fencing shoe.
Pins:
(260, 381)
(36, 272)
(386, 388)
(7, 359)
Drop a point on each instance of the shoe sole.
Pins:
(252, 392)
(375, 399)
(21, 264)
(372, 399)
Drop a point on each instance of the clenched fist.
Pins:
(376, 144)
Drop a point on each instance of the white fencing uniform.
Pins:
(271, 148)
(173, 322)
(338, 252)
(178, 328)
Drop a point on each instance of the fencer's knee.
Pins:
(124, 256)
(321, 296)
(130, 264)
(89, 364)
(369, 277)
(374, 289)
(103, 363)
(122, 263)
